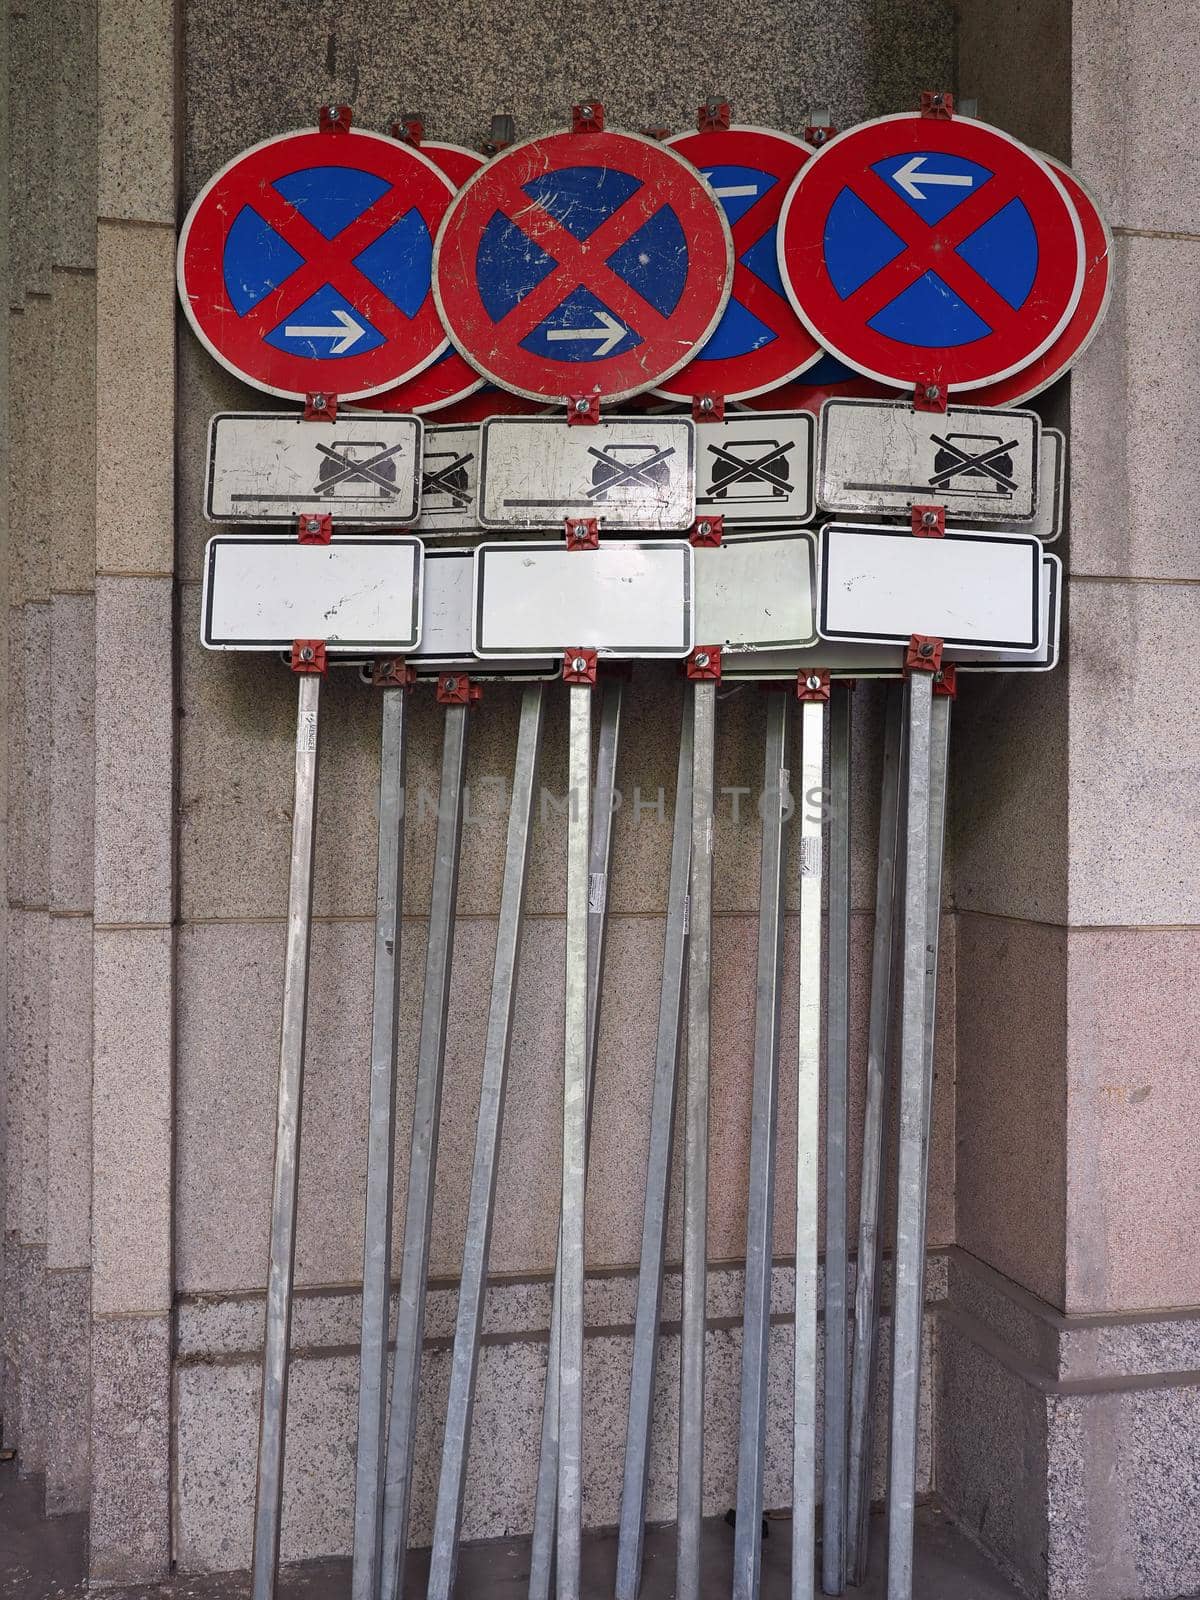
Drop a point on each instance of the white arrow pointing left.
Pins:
(910, 176)
(610, 333)
(344, 337)
(733, 190)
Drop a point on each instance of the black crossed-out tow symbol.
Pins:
(448, 480)
(983, 465)
(365, 471)
(757, 471)
(632, 473)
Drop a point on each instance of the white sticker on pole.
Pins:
(358, 592)
(635, 474)
(449, 479)
(881, 457)
(755, 469)
(447, 608)
(266, 466)
(629, 599)
(756, 591)
(880, 585)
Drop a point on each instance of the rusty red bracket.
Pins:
(929, 522)
(818, 134)
(708, 408)
(456, 689)
(945, 681)
(314, 527)
(707, 531)
(580, 666)
(410, 129)
(704, 663)
(923, 654)
(583, 408)
(937, 103)
(335, 119)
(812, 686)
(320, 407)
(308, 655)
(583, 533)
(394, 673)
(587, 118)
(713, 116)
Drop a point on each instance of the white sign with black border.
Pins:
(359, 592)
(447, 600)
(754, 591)
(882, 457)
(755, 468)
(449, 479)
(269, 466)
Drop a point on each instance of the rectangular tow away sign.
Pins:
(271, 466)
(880, 585)
(358, 592)
(755, 469)
(882, 457)
(634, 474)
(626, 599)
(449, 479)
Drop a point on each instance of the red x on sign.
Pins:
(305, 265)
(917, 249)
(582, 263)
(759, 343)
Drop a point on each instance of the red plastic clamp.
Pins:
(320, 407)
(409, 129)
(314, 527)
(923, 654)
(707, 531)
(929, 394)
(579, 666)
(819, 133)
(704, 663)
(713, 116)
(394, 673)
(588, 118)
(582, 409)
(929, 522)
(335, 119)
(937, 103)
(708, 408)
(456, 689)
(945, 681)
(812, 686)
(582, 533)
(655, 133)
(501, 133)
(308, 655)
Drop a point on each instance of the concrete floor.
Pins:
(41, 1560)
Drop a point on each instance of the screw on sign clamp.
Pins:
(320, 407)
(394, 673)
(945, 682)
(579, 666)
(409, 128)
(708, 408)
(812, 686)
(587, 118)
(714, 116)
(583, 408)
(456, 689)
(929, 522)
(335, 119)
(707, 531)
(936, 103)
(704, 663)
(583, 533)
(501, 134)
(923, 654)
(820, 127)
(929, 394)
(308, 655)
(314, 527)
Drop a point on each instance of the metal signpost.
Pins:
(925, 252)
(305, 263)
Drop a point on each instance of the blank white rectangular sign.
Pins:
(881, 456)
(755, 592)
(755, 469)
(359, 592)
(449, 479)
(447, 607)
(635, 474)
(881, 585)
(631, 599)
(270, 466)
(1045, 658)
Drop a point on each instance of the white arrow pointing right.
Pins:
(910, 176)
(344, 337)
(610, 333)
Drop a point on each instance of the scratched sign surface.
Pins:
(634, 473)
(305, 264)
(268, 466)
(583, 263)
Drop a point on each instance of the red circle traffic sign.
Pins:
(760, 342)
(826, 379)
(920, 250)
(1089, 313)
(304, 264)
(449, 379)
(582, 263)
